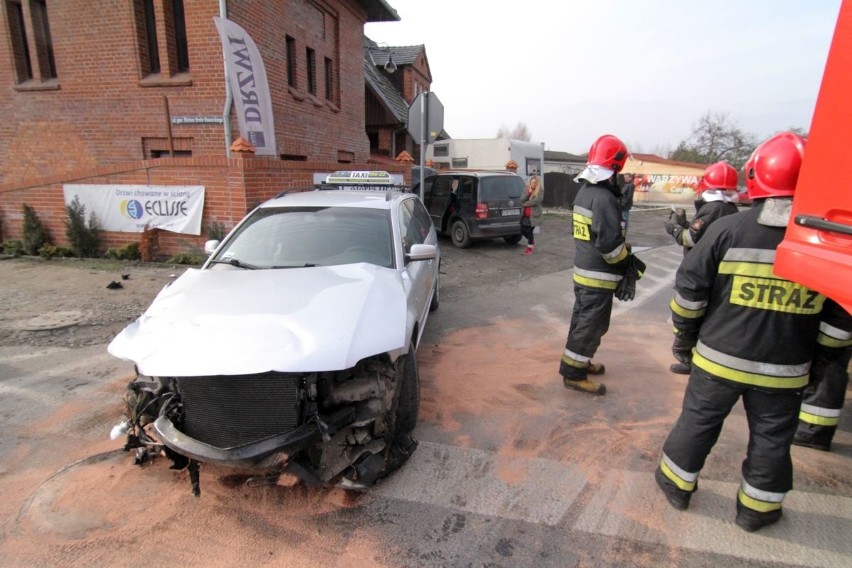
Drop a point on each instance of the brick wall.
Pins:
(233, 187)
(99, 120)
(102, 109)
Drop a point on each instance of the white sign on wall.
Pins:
(130, 208)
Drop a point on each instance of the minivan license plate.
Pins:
(507, 212)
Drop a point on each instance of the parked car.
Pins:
(293, 347)
(472, 205)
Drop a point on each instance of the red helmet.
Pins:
(773, 168)
(720, 175)
(608, 152)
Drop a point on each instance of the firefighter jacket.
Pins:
(706, 212)
(747, 325)
(600, 250)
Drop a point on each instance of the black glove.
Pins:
(680, 218)
(682, 347)
(634, 270)
(626, 289)
(670, 226)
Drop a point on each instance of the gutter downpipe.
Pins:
(229, 97)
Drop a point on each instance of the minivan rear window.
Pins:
(500, 187)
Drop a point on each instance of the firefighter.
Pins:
(715, 201)
(600, 260)
(753, 336)
(823, 398)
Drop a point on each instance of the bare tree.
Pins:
(520, 132)
(716, 137)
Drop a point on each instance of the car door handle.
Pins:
(823, 225)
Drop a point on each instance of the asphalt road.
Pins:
(511, 470)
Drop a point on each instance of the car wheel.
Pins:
(512, 239)
(460, 234)
(436, 292)
(408, 398)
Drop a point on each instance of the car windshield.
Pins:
(290, 237)
(500, 187)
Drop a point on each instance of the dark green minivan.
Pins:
(474, 205)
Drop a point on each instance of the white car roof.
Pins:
(366, 198)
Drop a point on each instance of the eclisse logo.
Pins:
(135, 210)
(132, 209)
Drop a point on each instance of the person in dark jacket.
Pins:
(531, 211)
(753, 337)
(822, 401)
(717, 187)
(601, 259)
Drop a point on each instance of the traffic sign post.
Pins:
(425, 122)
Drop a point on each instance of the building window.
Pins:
(291, 62)
(149, 50)
(310, 61)
(179, 30)
(43, 43)
(329, 79)
(149, 38)
(18, 36)
(43, 67)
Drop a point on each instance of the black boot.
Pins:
(750, 520)
(807, 440)
(677, 497)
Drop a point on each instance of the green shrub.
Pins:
(35, 235)
(51, 251)
(13, 247)
(84, 237)
(127, 252)
(187, 258)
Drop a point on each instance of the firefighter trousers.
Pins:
(589, 323)
(772, 419)
(823, 399)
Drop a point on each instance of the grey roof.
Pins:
(379, 11)
(401, 54)
(385, 91)
(375, 57)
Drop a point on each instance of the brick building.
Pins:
(133, 92)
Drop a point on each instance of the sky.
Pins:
(643, 70)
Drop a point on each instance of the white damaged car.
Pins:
(293, 347)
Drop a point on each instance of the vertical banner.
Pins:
(247, 77)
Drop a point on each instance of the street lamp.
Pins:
(389, 65)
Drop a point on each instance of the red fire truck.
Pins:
(817, 248)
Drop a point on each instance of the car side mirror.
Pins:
(421, 252)
(210, 247)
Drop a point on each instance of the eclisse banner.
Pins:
(247, 77)
(130, 208)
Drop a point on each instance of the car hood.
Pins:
(235, 322)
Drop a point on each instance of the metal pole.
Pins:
(229, 98)
(424, 108)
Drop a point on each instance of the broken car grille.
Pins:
(230, 411)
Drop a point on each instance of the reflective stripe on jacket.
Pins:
(600, 250)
